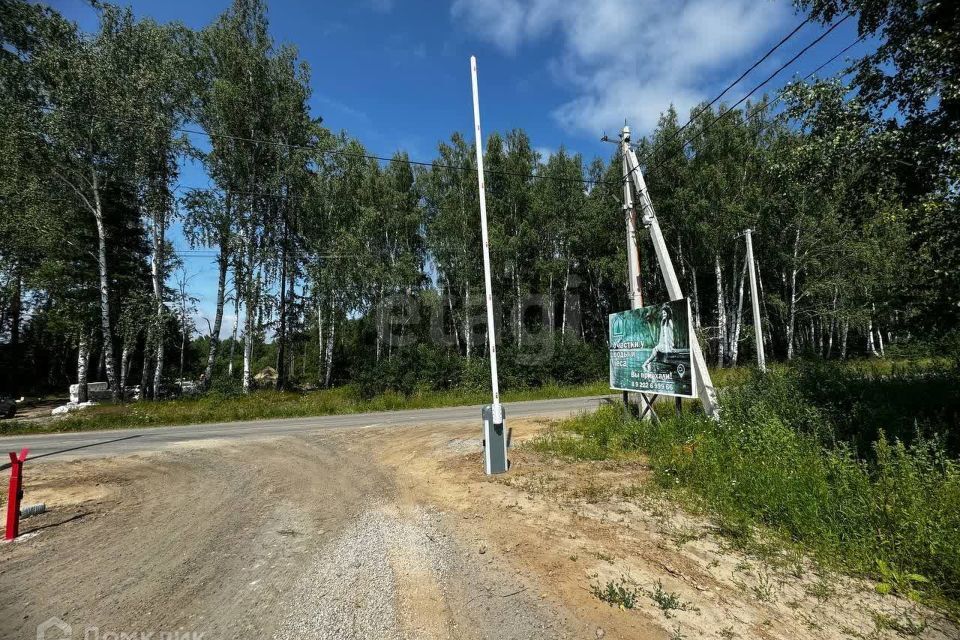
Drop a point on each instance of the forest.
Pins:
(335, 265)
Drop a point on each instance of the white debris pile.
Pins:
(73, 406)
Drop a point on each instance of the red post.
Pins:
(15, 494)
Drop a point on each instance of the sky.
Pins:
(396, 74)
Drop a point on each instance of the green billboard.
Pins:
(650, 350)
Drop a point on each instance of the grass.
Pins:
(217, 407)
(781, 463)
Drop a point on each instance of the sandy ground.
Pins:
(380, 533)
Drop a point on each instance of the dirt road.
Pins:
(386, 533)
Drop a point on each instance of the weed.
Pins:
(821, 590)
(681, 537)
(727, 633)
(763, 590)
(593, 493)
(600, 555)
(676, 634)
(892, 580)
(902, 624)
(667, 601)
(621, 594)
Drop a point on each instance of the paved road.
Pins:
(89, 444)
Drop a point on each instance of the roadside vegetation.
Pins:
(857, 465)
(226, 406)
(394, 390)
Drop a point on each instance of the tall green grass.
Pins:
(888, 508)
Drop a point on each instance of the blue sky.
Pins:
(396, 73)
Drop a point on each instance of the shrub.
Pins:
(778, 460)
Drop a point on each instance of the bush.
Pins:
(778, 460)
(427, 367)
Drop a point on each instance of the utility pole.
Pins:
(633, 175)
(633, 251)
(634, 288)
(755, 299)
(494, 434)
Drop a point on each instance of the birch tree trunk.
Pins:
(550, 310)
(696, 298)
(145, 373)
(467, 329)
(329, 353)
(871, 348)
(738, 321)
(320, 351)
(156, 273)
(124, 363)
(843, 340)
(222, 264)
(83, 358)
(104, 289)
(721, 315)
(233, 334)
(566, 286)
(453, 316)
(791, 327)
(249, 323)
(516, 279)
(833, 325)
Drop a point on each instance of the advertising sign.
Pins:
(650, 350)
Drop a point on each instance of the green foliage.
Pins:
(622, 593)
(775, 460)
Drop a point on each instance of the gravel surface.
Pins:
(399, 574)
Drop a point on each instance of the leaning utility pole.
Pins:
(755, 299)
(494, 435)
(633, 176)
(633, 251)
(634, 288)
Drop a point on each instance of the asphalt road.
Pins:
(90, 444)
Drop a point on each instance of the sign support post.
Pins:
(494, 434)
(633, 175)
(634, 288)
(755, 300)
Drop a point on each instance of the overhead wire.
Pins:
(744, 98)
(586, 181)
(743, 75)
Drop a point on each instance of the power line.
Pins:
(742, 76)
(780, 95)
(587, 181)
(340, 152)
(743, 99)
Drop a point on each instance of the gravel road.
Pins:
(294, 537)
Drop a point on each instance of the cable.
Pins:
(743, 75)
(769, 103)
(746, 96)
(368, 156)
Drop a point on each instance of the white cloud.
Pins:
(629, 58)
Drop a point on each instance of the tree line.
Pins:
(336, 265)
